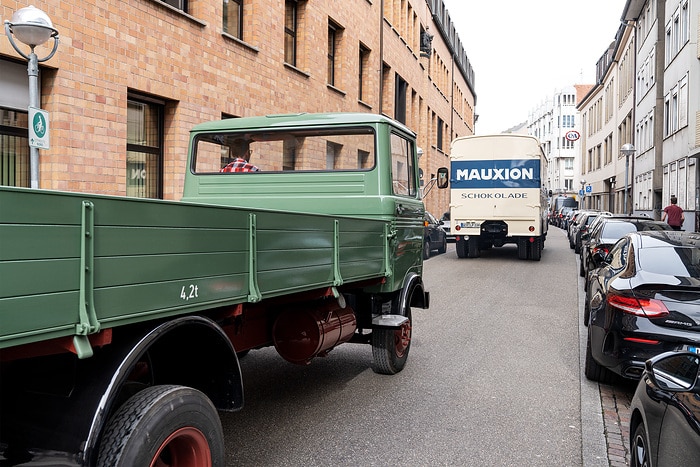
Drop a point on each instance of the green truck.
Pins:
(122, 319)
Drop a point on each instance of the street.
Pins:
(493, 379)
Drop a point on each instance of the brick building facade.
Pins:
(130, 78)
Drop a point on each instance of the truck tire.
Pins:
(536, 249)
(390, 346)
(473, 247)
(164, 425)
(461, 248)
(522, 248)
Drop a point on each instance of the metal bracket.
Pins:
(87, 315)
(388, 321)
(254, 294)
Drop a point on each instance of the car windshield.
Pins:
(617, 229)
(670, 261)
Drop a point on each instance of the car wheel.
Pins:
(581, 271)
(461, 248)
(164, 425)
(586, 311)
(639, 449)
(595, 371)
(443, 246)
(426, 249)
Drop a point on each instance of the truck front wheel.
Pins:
(164, 425)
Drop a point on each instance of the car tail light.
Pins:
(644, 307)
(601, 249)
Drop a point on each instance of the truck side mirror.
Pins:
(443, 177)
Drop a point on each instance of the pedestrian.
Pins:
(241, 162)
(674, 214)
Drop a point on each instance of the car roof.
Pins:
(666, 238)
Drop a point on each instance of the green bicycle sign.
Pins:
(39, 128)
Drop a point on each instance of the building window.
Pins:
(179, 4)
(144, 148)
(363, 72)
(440, 130)
(332, 43)
(290, 32)
(400, 99)
(233, 18)
(14, 148)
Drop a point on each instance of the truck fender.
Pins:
(56, 407)
(414, 290)
(192, 350)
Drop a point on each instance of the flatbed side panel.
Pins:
(156, 259)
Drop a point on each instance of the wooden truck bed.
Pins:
(71, 264)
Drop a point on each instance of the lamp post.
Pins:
(32, 27)
(627, 150)
(583, 193)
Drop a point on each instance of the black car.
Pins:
(599, 239)
(643, 301)
(435, 236)
(580, 227)
(665, 412)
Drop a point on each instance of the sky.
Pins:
(524, 51)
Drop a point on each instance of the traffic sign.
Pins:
(572, 135)
(38, 128)
(589, 189)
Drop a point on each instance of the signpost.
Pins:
(38, 128)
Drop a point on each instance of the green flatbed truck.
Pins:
(122, 319)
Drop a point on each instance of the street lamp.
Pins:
(627, 150)
(32, 27)
(583, 193)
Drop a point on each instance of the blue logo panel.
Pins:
(515, 173)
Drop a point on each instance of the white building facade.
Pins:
(647, 93)
(556, 123)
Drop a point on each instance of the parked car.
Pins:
(610, 229)
(446, 224)
(561, 216)
(644, 300)
(435, 236)
(665, 412)
(583, 218)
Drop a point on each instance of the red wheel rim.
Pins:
(402, 338)
(186, 447)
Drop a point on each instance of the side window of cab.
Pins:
(403, 170)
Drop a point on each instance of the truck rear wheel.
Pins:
(473, 247)
(461, 248)
(164, 425)
(536, 249)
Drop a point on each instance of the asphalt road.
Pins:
(493, 379)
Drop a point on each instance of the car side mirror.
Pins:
(443, 177)
(585, 236)
(674, 371)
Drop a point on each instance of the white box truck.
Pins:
(497, 194)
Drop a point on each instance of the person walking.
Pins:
(674, 214)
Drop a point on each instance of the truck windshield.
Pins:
(284, 151)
